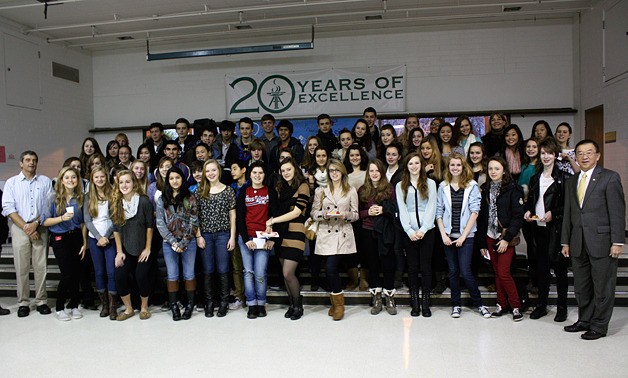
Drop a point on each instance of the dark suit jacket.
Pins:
(601, 220)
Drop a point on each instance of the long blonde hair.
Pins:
(116, 207)
(435, 159)
(61, 192)
(344, 181)
(467, 174)
(93, 197)
(205, 186)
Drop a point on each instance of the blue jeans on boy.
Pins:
(459, 261)
(187, 259)
(216, 257)
(104, 265)
(255, 264)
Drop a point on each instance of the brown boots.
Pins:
(364, 285)
(113, 306)
(337, 310)
(353, 279)
(104, 304)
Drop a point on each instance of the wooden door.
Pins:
(594, 128)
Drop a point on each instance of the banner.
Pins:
(310, 93)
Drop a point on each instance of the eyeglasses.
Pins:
(333, 170)
(587, 154)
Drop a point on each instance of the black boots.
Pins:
(425, 298)
(173, 289)
(224, 294)
(288, 313)
(190, 289)
(209, 295)
(414, 302)
(297, 309)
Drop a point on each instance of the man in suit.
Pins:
(593, 235)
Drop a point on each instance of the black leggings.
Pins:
(543, 264)
(360, 258)
(420, 252)
(66, 248)
(381, 259)
(141, 270)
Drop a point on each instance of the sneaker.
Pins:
(455, 311)
(516, 315)
(200, 307)
(499, 311)
(484, 312)
(76, 313)
(62, 315)
(165, 307)
(235, 305)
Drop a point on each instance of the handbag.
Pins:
(311, 224)
(515, 241)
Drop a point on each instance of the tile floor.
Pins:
(361, 345)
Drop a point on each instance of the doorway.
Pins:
(594, 128)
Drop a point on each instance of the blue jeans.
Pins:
(187, 259)
(215, 256)
(255, 263)
(104, 265)
(459, 261)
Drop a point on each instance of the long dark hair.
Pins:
(366, 141)
(405, 177)
(168, 193)
(364, 160)
(296, 181)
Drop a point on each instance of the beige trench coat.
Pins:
(335, 235)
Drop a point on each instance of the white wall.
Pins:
(463, 68)
(614, 95)
(57, 130)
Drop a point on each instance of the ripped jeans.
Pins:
(255, 263)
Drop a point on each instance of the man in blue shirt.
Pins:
(24, 201)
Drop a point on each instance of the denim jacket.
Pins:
(470, 204)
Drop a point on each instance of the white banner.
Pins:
(310, 93)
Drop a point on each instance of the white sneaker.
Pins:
(62, 315)
(455, 311)
(76, 313)
(484, 311)
(235, 305)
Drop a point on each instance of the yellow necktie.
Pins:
(582, 185)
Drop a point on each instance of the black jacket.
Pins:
(510, 211)
(554, 201)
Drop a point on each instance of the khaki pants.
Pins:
(25, 250)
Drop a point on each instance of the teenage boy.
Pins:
(285, 130)
(269, 138)
(327, 137)
(245, 126)
(239, 174)
(370, 116)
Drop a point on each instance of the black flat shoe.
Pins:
(4, 311)
(23, 311)
(538, 312)
(592, 335)
(576, 327)
(561, 314)
(44, 309)
(261, 311)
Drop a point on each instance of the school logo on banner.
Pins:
(309, 93)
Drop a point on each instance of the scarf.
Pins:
(130, 207)
(493, 221)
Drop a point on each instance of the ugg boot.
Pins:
(104, 303)
(209, 295)
(190, 289)
(223, 278)
(173, 289)
(337, 305)
(353, 279)
(414, 302)
(364, 285)
(113, 306)
(425, 298)
(376, 299)
(389, 299)
(297, 311)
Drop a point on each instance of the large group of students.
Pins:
(213, 208)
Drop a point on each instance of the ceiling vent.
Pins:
(371, 18)
(65, 72)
